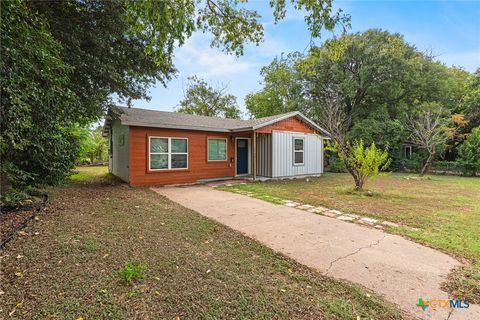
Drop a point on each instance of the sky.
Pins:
(449, 29)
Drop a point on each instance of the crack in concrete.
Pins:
(376, 243)
(450, 314)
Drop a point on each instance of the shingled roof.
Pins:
(177, 120)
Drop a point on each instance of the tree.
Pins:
(427, 132)
(232, 24)
(93, 146)
(204, 100)
(363, 163)
(470, 104)
(37, 108)
(282, 89)
(469, 153)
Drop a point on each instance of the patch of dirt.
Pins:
(13, 219)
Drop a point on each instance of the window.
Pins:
(217, 149)
(168, 153)
(408, 152)
(298, 151)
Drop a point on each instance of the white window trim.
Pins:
(302, 151)
(226, 149)
(169, 153)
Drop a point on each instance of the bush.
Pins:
(447, 166)
(363, 163)
(337, 165)
(469, 153)
(416, 163)
(133, 271)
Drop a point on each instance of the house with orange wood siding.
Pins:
(148, 147)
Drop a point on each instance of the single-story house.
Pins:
(148, 147)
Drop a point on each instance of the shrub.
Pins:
(447, 166)
(133, 272)
(337, 166)
(469, 153)
(363, 163)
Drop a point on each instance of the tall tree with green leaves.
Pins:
(282, 89)
(469, 153)
(37, 108)
(203, 99)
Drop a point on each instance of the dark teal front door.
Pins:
(242, 156)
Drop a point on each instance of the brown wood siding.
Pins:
(291, 124)
(198, 166)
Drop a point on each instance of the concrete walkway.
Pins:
(400, 270)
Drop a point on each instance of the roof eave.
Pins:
(171, 126)
(294, 114)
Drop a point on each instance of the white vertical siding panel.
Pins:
(120, 154)
(282, 154)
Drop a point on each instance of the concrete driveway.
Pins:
(400, 270)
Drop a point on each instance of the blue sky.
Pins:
(451, 29)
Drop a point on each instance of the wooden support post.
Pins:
(254, 155)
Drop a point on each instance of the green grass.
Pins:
(197, 268)
(133, 271)
(444, 209)
(85, 174)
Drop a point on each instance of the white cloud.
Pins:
(197, 57)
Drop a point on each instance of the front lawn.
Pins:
(443, 210)
(104, 250)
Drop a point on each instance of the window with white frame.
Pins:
(168, 153)
(298, 151)
(217, 149)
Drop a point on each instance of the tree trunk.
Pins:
(358, 180)
(358, 184)
(427, 164)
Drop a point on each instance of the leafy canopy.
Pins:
(282, 89)
(364, 162)
(205, 100)
(38, 109)
(375, 77)
(469, 153)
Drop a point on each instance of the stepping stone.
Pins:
(321, 209)
(390, 224)
(329, 214)
(316, 210)
(335, 212)
(368, 220)
(345, 218)
(379, 227)
(292, 204)
(305, 207)
(354, 216)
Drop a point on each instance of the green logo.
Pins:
(421, 304)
